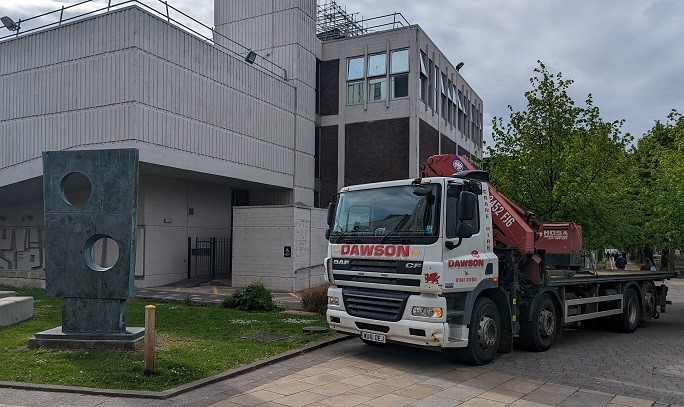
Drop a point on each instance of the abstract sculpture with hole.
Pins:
(90, 243)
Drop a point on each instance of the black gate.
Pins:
(209, 258)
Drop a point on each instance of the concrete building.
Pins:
(237, 152)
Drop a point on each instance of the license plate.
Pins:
(373, 337)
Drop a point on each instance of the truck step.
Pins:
(15, 309)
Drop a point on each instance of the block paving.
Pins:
(586, 367)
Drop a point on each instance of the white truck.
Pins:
(430, 262)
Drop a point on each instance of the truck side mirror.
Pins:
(467, 202)
(327, 234)
(464, 230)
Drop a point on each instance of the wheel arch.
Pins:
(528, 309)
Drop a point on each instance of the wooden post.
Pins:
(149, 339)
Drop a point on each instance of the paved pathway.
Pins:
(587, 367)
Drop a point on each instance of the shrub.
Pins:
(315, 299)
(255, 297)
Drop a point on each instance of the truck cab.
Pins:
(408, 259)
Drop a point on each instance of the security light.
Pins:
(9, 23)
(251, 57)
(459, 66)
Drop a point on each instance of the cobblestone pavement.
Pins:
(586, 367)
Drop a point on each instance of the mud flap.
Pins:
(506, 341)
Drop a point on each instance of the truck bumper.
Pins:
(430, 334)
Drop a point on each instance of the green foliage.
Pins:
(191, 343)
(315, 299)
(564, 162)
(660, 158)
(255, 297)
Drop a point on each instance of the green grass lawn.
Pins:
(192, 342)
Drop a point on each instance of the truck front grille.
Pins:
(379, 305)
(386, 272)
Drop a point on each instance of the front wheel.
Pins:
(484, 334)
(538, 334)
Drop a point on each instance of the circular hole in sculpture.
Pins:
(76, 188)
(101, 252)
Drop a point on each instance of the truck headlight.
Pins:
(333, 301)
(430, 312)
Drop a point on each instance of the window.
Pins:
(377, 89)
(423, 77)
(354, 92)
(444, 88)
(431, 85)
(355, 68)
(377, 64)
(400, 86)
(453, 194)
(400, 61)
(435, 97)
(399, 66)
(355, 71)
(377, 80)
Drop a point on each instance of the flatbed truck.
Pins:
(447, 263)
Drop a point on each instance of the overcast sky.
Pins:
(628, 53)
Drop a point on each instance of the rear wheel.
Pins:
(484, 334)
(648, 302)
(629, 319)
(538, 333)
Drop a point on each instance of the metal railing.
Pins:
(240, 52)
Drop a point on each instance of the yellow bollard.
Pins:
(149, 339)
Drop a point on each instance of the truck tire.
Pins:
(538, 334)
(648, 301)
(631, 313)
(484, 334)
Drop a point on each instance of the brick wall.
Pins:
(328, 164)
(376, 151)
(429, 141)
(330, 87)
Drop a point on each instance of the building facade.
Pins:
(216, 132)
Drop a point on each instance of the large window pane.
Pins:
(377, 89)
(399, 61)
(355, 68)
(376, 64)
(354, 92)
(400, 86)
(423, 64)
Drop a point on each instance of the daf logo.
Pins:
(413, 265)
(341, 262)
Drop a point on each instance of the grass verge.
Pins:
(192, 342)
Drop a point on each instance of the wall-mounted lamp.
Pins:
(459, 66)
(251, 57)
(9, 23)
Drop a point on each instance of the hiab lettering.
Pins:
(466, 263)
(376, 250)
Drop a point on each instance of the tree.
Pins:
(564, 162)
(660, 156)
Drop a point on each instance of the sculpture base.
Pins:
(54, 338)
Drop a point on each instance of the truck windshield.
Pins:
(390, 213)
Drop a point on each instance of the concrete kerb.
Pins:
(162, 395)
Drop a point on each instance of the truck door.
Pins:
(469, 263)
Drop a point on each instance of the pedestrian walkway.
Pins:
(353, 374)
